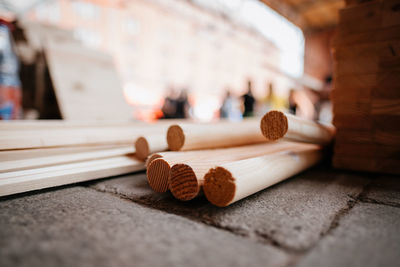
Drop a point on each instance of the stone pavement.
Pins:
(321, 217)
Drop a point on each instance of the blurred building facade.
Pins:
(161, 43)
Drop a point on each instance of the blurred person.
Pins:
(248, 101)
(272, 101)
(230, 108)
(10, 85)
(170, 104)
(182, 105)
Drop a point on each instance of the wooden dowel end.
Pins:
(219, 191)
(274, 125)
(183, 182)
(157, 175)
(142, 148)
(175, 137)
(151, 158)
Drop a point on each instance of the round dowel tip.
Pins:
(274, 125)
(183, 182)
(219, 187)
(157, 175)
(142, 148)
(151, 158)
(175, 137)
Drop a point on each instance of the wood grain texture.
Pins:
(27, 159)
(158, 174)
(230, 182)
(35, 179)
(275, 125)
(186, 178)
(186, 137)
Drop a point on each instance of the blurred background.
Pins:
(159, 59)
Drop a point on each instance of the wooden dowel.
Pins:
(158, 166)
(149, 144)
(158, 170)
(230, 182)
(187, 177)
(213, 135)
(20, 154)
(276, 125)
(49, 160)
(57, 137)
(67, 174)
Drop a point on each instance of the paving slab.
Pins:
(385, 190)
(79, 226)
(291, 215)
(369, 235)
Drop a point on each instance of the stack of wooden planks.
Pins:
(366, 94)
(41, 154)
(232, 160)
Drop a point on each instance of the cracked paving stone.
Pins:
(292, 215)
(79, 226)
(384, 189)
(369, 235)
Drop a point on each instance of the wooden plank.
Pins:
(384, 122)
(49, 158)
(370, 150)
(373, 15)
(390, 166)
(381, 82)
(342, 38)
(370, 65)
(374, 106)
(361, 18)
(382, 50)
(86, 83)
(377, 136)
(68, 174)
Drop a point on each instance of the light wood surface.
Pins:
(14, 160)
(275, 125)
(86, 83)
(187, 177)
(159, 165)
(29, 180)
(149, 144)
(230, 182)
(186, 137)
(56, 137)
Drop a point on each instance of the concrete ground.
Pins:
(321, 217)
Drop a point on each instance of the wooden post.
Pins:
(275, 125)
(230, 182)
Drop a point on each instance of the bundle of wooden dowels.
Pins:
(366, 94)
(229, 161)
(42, 154)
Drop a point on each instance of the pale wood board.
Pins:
(86, 83)
(68, 174)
